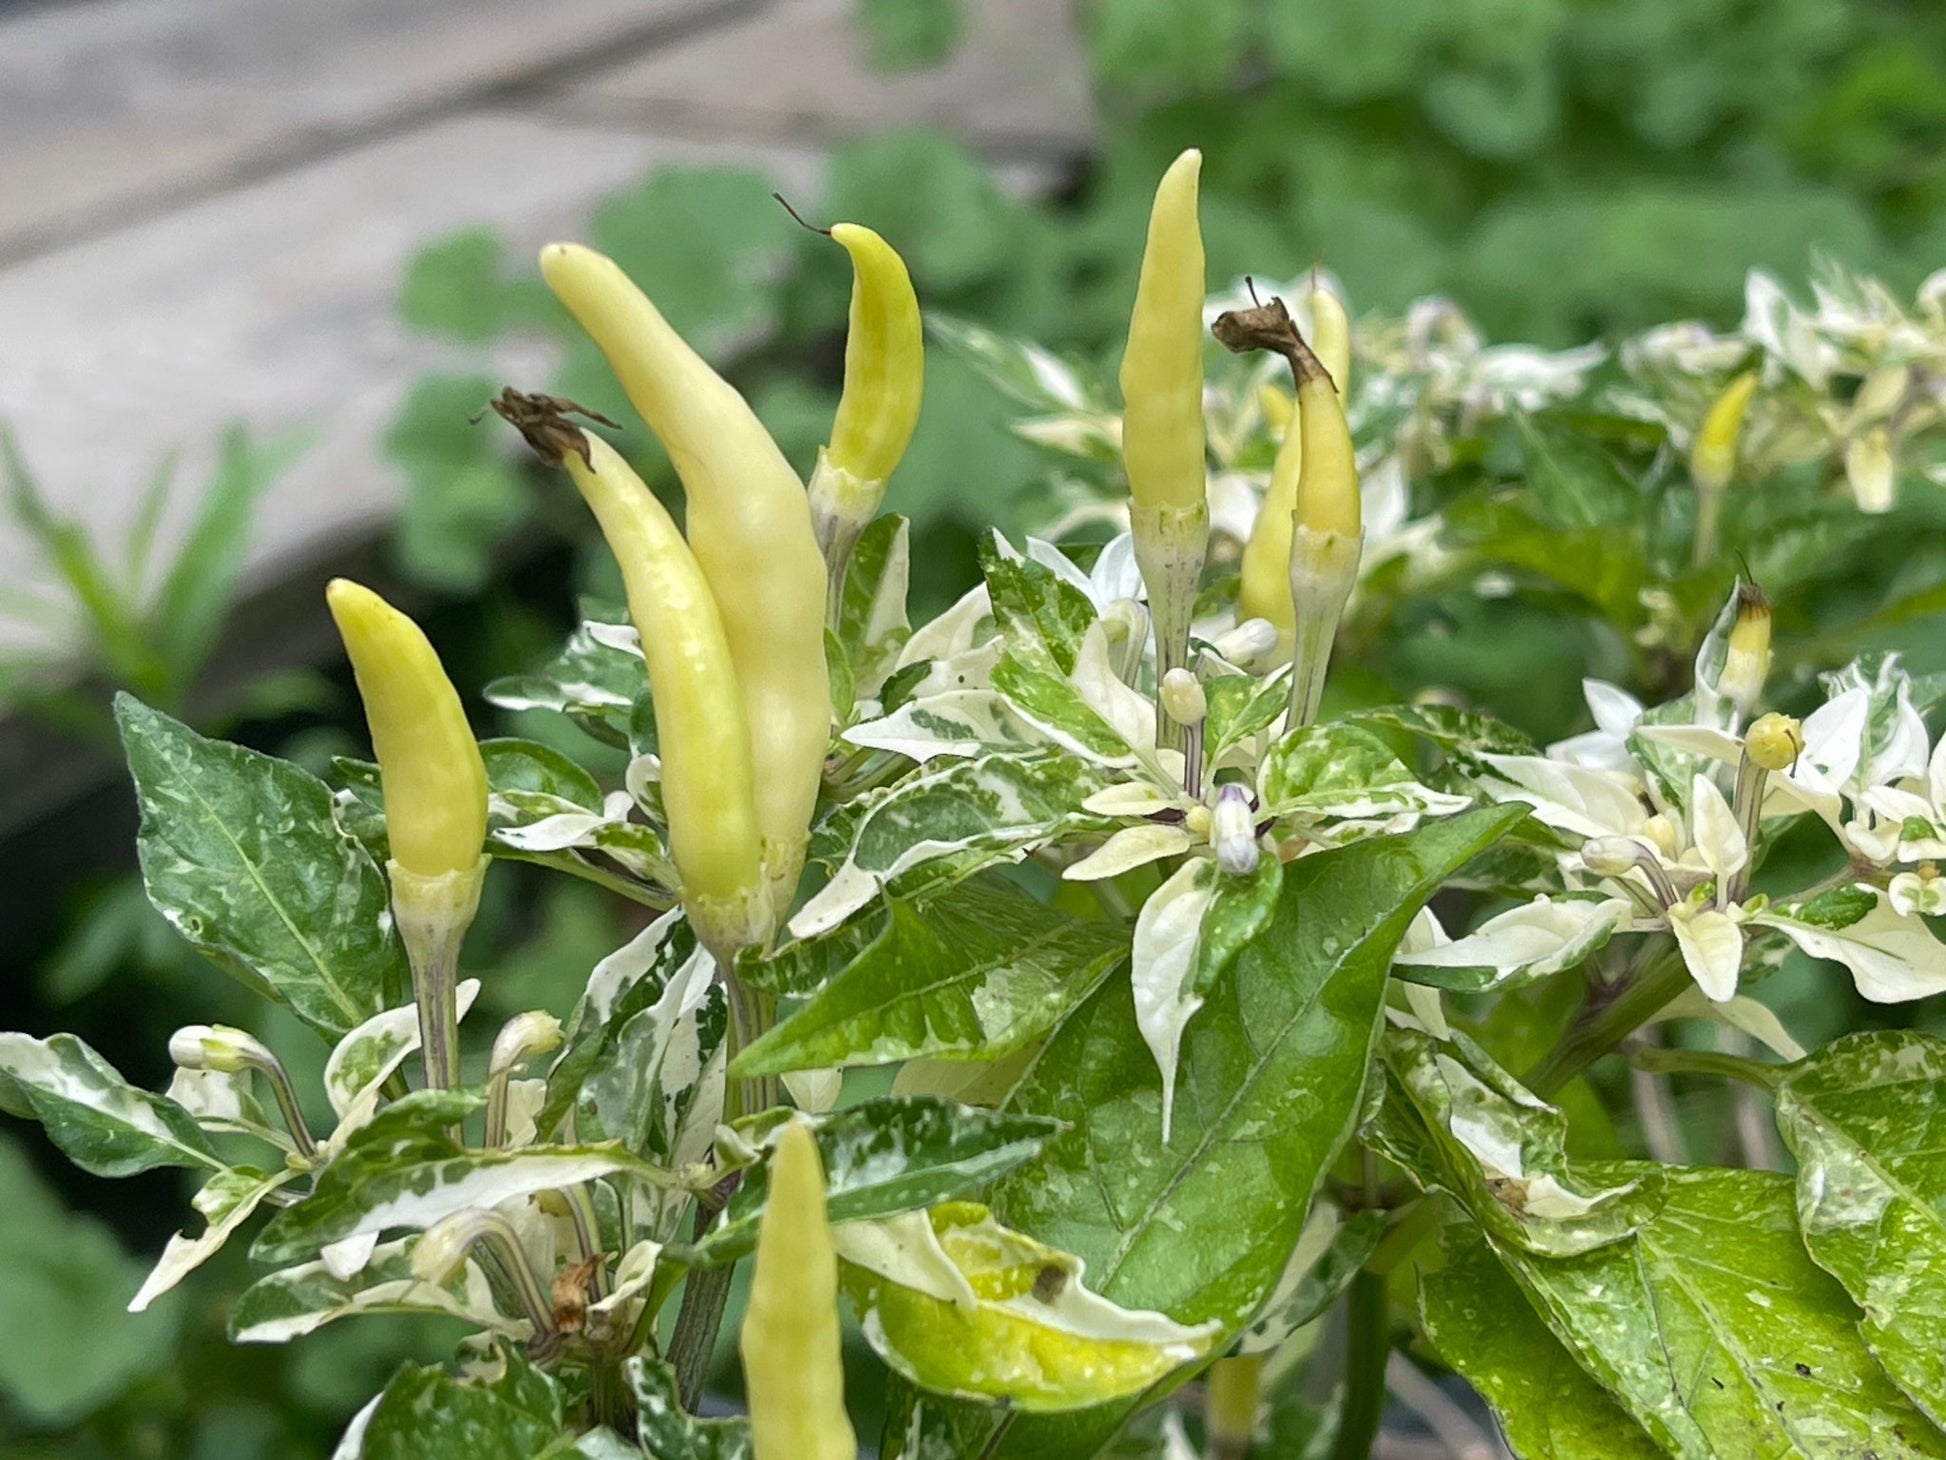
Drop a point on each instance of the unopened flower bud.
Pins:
(521, 1038)
(1612, 856)
(218, 1047)
(1233, 832)
(1775, 742)
(1746, 662)
(1248, 642)
(1665, 833)
(1182, 697)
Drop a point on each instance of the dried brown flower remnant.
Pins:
(543, 421)
(1269, 327)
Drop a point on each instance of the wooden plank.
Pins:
(1016, 84)
(111, 108)
(275, 305)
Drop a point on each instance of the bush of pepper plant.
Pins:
(1241, 1034)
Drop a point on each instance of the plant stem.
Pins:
(1367, 1346)
(1607, 1018)
(693, 1343)
(1704, 1062)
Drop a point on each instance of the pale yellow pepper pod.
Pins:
(435, 787)
(750, 527)
(1265, 591)
(793, 1370)
(885, 381)
(1162, 419)
(1327, 498)
(1713, 458)
(708, 780)
(428, 761)
(1746, 658)
(1162, 368)
(885, 360)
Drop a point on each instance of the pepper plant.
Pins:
(1246, 1032)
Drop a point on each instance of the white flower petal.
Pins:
(1712, 946)
(1718, 838)
(1167, 933)
(1131, 847)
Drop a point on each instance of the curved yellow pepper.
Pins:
(750, 528)
(1327, 497)
(708, 787)
(1162, 368)
(885, 361)
(1266, 580)
(793, 1371)
(1713, 459)
(429, 764)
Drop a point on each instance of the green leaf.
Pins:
(983, 970)
(103, 1124)
(1577, 483)
(905, 35)
(406, 1170)
(460, 286)
(298, 1300)
(1461, 734)
(1272, 1072)
(972, 812)
(667, 1431)
(429, 1414)
(240, 852)
(872, 622)
(226, 1202)
(66, 1346)
(1043, 616)
(1019, 368)
(1033, 1338)
(1532, 941)
(1871, 1192)
(1327, 1257)
(1340, 770)
(539, 770)
(1716, 1332)
(197, 596)
(591, 680)
(884, 1157)
(1548, 1407)
(1459, 1123)
(1240, 706)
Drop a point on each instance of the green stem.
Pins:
(1610, 1017)
(693, 1343)
(1705, 1062)
(1367, 1346)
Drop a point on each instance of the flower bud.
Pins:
(1613, 856)
(1182, 697)
(521, 1038)
(1233, 832)
(1746, 663)
(1775, 742)
(218, 1047)
(1248, 642)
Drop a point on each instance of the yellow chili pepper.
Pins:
(428, 762)
(1713, 458)
(1266, 579)
(885, 360)
(1279, 408)
(1162, 417)
(1162, 368)
(885, 377)
(435, 788)
(750, 528)
(708, 790)
(793, 1372)
(1327, 484)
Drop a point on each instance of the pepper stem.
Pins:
(433, 914)
(1170, 545)
(1324, 569)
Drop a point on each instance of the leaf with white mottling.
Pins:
(1548, 1406)
(298, 1300)
(1459, 1123)
(365, 1058)
(226, 1203)
(872, 622)
(1518, 946)
(1863, 1117)
(241, 853)
(103, 1124)
(1342, 771)
(591, 681)
(430, 1414)
(405, 1170)
(996, 808)
(881, 1158)
(1892, 956)
(1035, 1338)
(1328, 1255)
(1162, 967)
(1717, 1333)
(668, 1431)
(977, 971)
(1131, 847)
